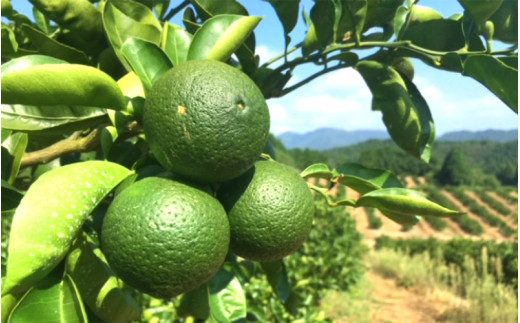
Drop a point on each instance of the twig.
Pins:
(69, 145)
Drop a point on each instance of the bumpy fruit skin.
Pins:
(270, 211)
(206, 121)
(165, 238)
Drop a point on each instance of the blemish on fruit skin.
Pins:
(181, 110)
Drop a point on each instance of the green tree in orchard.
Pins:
(132, 148)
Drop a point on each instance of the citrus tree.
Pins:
(135, 154)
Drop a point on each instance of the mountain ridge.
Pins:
(328, 138)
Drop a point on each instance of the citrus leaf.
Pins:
(62, 84)
(51, 301)
(9, 43)
(363, 179)
(319, 170)
(405, 113)
(402, 219)
(50, 216)
(15, 146)
(147, 60)
(33, 118)
(49, 46)
(108, 137)
(124, 19)
(98, 285)
(220, 36)
(80, 19)
(404, 201)
(175, 43)
(227, 300)
(24, 62)
(277, 277)
(42, 21)
(480, 10)
(498, 77)
(287, 12)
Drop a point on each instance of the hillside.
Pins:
(329, 138)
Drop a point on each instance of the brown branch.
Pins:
(75, 144)
(69, 145)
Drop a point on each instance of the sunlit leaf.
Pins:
(498, 77)
(51, 47)
(50, 216)
(51, 300)
(317, 170)
(124, 19)
(62, 84)
(404, 201)
(15, 146)
(221, 36)
(97, 284)
(147, 60)
(363, 179)
(227, 300)
(405, 112)
(175, 43)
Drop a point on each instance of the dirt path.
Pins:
(489, 231)
(506, 219)
(501, 200)
(382, 300)
(398, 304)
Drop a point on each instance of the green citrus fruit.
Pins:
(164, 237)
(270, 211)
(206, 121)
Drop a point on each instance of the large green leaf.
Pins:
(62, 84)
(80, 18)
(33, 118)
(278, 278)
(404, 201)
(24, 62)
(480, 10)
(51, 47)
(147, 59)
(175, 43)
(319, 170)
(221, 36)
(227, 300)
(380, 11)
(124, 19)
(321, 26)
(351, 19)
(505, 21)
(50, 301)
(498, 77)
(9, 43)
(405, 112)
(287, 12)
(98, 286)
(15, 146)
(50, 216)
(364, 179)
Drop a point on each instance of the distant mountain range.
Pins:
(328, 138)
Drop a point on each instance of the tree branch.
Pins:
(69, 145)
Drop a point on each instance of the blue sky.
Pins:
(341, 99)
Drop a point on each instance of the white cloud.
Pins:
(265, 53)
